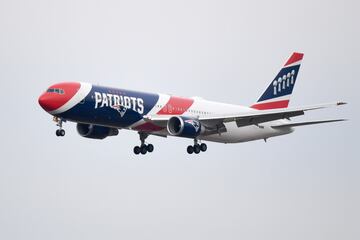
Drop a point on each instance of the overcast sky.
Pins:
(300, 186)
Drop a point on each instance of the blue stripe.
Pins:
(271, 92)
(85, 111)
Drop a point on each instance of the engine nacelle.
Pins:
(184, 127)
(95, 132)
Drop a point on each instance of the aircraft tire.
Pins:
(143, 149)
(190, 149)
(137, 150)
(203, 147)
(62, 132)
(197, 149)
(150, 148)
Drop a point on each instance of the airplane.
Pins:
(101, 112)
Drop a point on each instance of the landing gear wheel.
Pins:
(197, 148)
(203, 147)
(190, 149)
(150, 148)
(143, 149)
(62, 132)
(137, 150)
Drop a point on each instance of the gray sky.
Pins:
(301, 186)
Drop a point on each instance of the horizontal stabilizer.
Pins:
(307, 123)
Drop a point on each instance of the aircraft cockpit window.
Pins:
(55, 90)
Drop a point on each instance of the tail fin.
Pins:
(277, 95)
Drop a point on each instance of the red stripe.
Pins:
(176, 106)
(148, 127)
(294, 58)
(271, 105)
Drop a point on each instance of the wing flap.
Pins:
(266, 118)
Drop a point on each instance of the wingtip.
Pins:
(340, 120)
(341, 103)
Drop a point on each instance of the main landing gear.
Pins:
(59, 132)
(143, 148)
(197, 148)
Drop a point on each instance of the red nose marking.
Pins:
(51, 101)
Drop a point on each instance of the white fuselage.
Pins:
(204, 108)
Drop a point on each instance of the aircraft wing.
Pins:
(262, 116)
(246, 119)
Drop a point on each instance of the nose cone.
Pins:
(57, 96)
(46, 102)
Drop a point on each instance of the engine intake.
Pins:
(95, 131)
(184, 127)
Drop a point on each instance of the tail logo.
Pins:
(284, 82)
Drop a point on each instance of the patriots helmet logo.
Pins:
(121, 110)
(194, 123)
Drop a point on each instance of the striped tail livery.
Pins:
(277, 95)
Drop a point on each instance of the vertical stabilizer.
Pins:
(278, 93)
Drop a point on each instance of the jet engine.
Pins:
(95, 131)
(184, 127)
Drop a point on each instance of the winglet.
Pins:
(341, 103)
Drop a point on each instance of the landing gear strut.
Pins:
(196, 148)
(143, 148)
(59, 122)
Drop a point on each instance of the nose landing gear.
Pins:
(143, 148)
(196, 148)
(59, 132)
